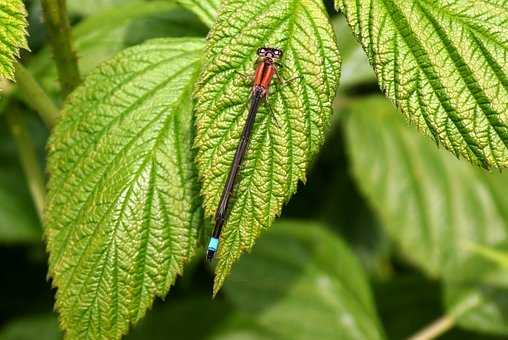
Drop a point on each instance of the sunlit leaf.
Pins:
(12, 35)
(444, 64)
(282, 144)
(123, 204)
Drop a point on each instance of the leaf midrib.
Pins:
(481, 99)
(438, 89)
(147, 158)
(119, 154)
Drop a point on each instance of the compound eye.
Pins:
(261, 51)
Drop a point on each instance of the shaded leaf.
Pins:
(444, 64)
(278, 154)
(172, 319)
(40, 327)
(12, 35)
(217, 320)
(19, 222)
(123, 209)
(477, 295)
(18, 219)
(104, 34)
(301, 282)
(206, 10)
(90, 7)
(356, 69)
(429, 202)
(406, 303)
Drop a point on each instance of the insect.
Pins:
(268, 60)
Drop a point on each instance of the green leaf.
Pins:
(356, 70)
(429, 202)
(90, 7)
(494, 255)
(123, 206)
(279, 153)
(40, 327)
(18, 219)
(206, 10)
(444, 65)
(477, 295)
(217, 320)
(302, 282)
(12, 35)
(104, 34)
(172, 319)
(406, 303)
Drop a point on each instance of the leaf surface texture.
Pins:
(12, 35)
(283, 143)
(123, 204)
(444, 65)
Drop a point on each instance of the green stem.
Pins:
(435, 329)
(34, 96)
(448, 321)
(59, 31)
(28, 158)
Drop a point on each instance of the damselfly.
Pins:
(265, 71)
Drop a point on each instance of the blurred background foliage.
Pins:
(407, 232)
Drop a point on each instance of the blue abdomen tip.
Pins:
(214, 243)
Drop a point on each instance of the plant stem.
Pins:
(35, 97)
(446, 322)
(59, 31)
(435, 329)
(27, 157)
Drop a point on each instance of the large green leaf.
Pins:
(205, 9)
(281, 145)
(104, 34)
(302, 282)
(430, 202)
(477, 295)
(12, 35)
(444, 64)
(123, 209)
